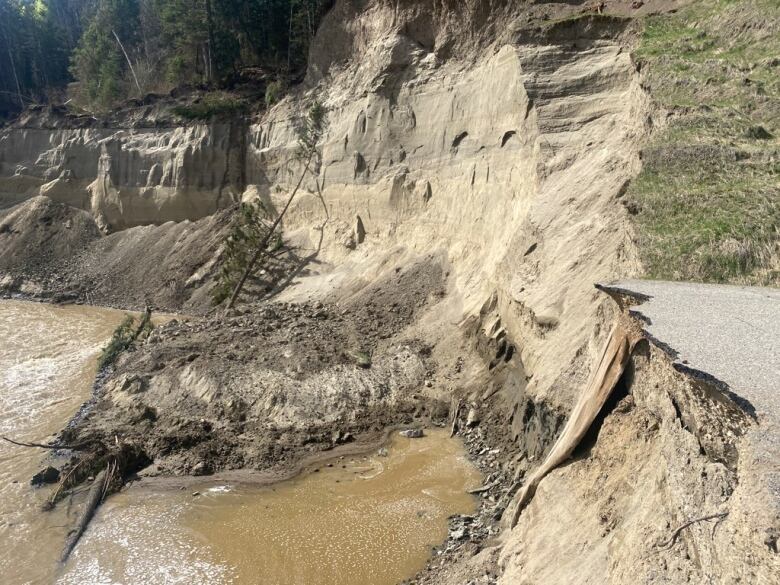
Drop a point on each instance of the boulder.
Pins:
(412, 433)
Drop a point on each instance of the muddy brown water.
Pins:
(47, 366)
(368, 520)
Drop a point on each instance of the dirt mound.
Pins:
(270, 382)
(168, 266)
(51, 250)
(39, 236)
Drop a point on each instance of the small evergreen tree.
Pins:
(247, 233)
(245, 247)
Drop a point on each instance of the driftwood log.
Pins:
(96, 494)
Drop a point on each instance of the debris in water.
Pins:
(412, 433)
(47, 475)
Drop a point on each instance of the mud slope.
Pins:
(53, 251)
(509, 159)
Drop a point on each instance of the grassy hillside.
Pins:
(707, 203)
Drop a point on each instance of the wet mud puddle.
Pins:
(368, 520)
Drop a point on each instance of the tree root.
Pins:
(673, 538)
(52, 501)
(55, 446)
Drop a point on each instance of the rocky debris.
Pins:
(46, 475)
(412, 433)
(493, 451)
(459, 527)
(131, 384)
(362, 358)
(340, 437)
(270, 382)
(201, 468)
(472, 419)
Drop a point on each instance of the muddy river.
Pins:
(368, 520)
(47, 365)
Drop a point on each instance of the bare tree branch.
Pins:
(132, 70)
(75, 447)
(676, 533)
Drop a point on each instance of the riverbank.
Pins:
(47, 369)
(151, 479)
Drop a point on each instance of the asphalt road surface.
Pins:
(729, 332)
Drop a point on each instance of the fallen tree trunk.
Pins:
(96, 494)
(622, 340)
(262, 247)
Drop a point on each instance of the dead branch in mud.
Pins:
(96, 494)
(454, 427)
(52, 501)
(673, 538)
(483, 488)
(76, 447)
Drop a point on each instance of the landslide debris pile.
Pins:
(258, 388)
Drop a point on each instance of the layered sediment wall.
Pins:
(126, 177)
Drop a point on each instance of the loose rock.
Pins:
(412, 433)
(47, 475)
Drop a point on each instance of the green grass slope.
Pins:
(707, 202)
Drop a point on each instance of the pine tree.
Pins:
(119, 48)
(310, 130)
(34, 52)
(99, 61)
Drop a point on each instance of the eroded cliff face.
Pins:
(490, 139)
(126, 177)
(510, 161)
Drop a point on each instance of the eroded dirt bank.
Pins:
(473, 172)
